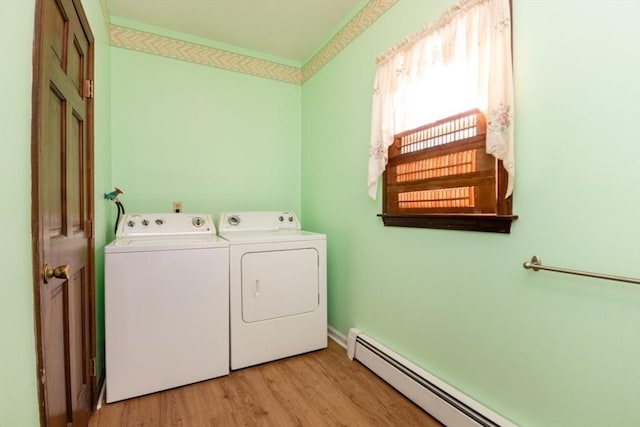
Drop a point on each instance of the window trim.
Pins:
(464, 222)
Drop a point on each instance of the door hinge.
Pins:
(43, 376)
(94, 367)
(88, 89)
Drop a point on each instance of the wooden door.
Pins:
(62, 158)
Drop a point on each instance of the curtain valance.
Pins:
(460, 62)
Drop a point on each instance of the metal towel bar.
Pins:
(536, 264)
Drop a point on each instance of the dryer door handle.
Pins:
(256, 287)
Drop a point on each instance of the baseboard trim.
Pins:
(441, 400)
(337, 336)
(101, 394)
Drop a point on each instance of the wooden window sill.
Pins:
(468, 222)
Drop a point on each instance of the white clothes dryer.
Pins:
(166, 304)
(278, 287)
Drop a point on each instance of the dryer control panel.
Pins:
(165, 224)
(258, 221)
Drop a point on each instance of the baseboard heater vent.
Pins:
(450, 406)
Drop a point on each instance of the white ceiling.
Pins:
(290, 29)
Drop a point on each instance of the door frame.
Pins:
(37, 245)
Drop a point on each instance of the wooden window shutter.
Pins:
(442, 168)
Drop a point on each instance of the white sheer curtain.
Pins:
(461, 62)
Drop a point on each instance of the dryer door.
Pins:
(279, 283)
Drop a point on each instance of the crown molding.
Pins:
(155, 44)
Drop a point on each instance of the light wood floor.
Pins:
(323, 388)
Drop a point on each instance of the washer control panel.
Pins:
(165, 224)
(258, 221)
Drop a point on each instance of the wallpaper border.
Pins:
(155, 44)
(358, 24)
(191, 52)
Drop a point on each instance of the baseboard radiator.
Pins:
(450, 406)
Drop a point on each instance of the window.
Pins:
(442, 123)
(440, 176)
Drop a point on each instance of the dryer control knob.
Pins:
(234, 220)
(131, 223)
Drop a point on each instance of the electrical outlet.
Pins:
(177, 207)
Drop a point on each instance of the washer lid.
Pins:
(246, 237)
(154, 244)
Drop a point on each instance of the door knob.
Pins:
(60, 272)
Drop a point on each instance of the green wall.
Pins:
(18, 386)
(539, 348)
(102, 160)
(214, 139)
(542, 349)
(18, 391)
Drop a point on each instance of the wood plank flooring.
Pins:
(322, 388)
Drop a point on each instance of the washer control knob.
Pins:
(145, 222)
(159, 221)
(290, 219)
(197, 222)
(131, 223)
(280, 218)
(234, 220)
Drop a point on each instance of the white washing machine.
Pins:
(166, 304)
(278, 286)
